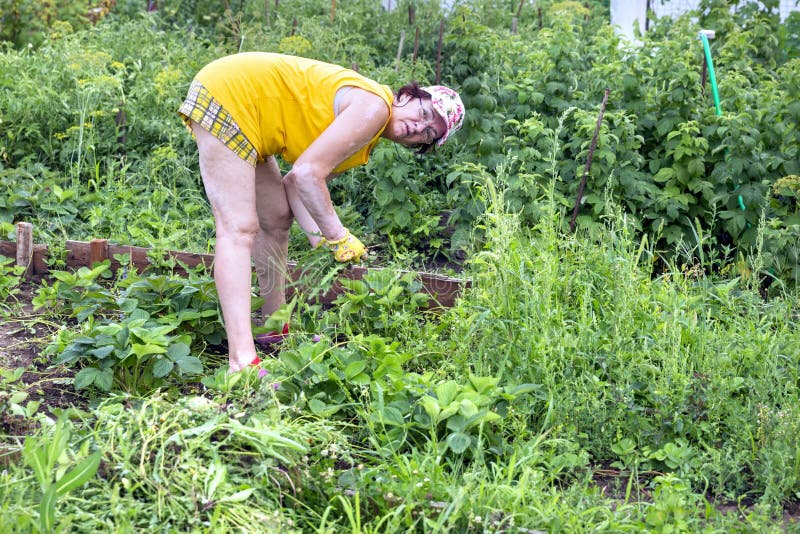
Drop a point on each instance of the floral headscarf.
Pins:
(448, 104)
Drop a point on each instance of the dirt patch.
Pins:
(612, 484)
(24, 334)
(19, 330)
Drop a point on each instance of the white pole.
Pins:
(626, 15)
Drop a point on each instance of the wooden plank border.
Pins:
(443, 290)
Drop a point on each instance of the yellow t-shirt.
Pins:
(283, 103)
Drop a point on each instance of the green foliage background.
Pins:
(678, 168)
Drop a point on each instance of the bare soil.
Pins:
(24, 334)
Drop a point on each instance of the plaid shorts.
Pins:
(206, 111)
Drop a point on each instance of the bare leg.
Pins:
(272, 242)
(230, 186)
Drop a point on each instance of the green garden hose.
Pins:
(715, 90)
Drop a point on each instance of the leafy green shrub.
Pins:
(135, 333)
(366, 378)
(384, 302)
(27, 23)
(13, 393)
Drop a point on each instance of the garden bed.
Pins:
(22, 338)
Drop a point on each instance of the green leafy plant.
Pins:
(13, 393)
(366, 378)
(26, 22)
(464, 418)
(57, 469)
(79, 290)
(10, 277)
(137, 352)
(670, 509)
(384, 302)
(136, 332)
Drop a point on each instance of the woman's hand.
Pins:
(348, 248)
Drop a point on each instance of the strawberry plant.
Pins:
(135, 352)
(402, 409)
(13, 394)
(384, 302)
(134, 333)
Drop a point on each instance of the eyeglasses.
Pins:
(426, 115)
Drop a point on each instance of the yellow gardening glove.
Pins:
(348, 248)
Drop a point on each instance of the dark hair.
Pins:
(413, 90)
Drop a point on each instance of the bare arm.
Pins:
(301, 214)
(362, 115)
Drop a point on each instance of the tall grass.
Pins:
(695, 370)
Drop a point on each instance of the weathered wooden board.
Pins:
(444, 290)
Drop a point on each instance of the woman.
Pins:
(245, 109)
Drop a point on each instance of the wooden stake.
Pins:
(333, 9)
(294, 26)
(399, 50)
(439, 54)
(589, 160)
(416, 45)
(98, 251)
(514, 25)
(704, 74)
(25, 247)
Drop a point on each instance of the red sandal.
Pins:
(265, 341)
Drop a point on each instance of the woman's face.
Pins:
(414, 122)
